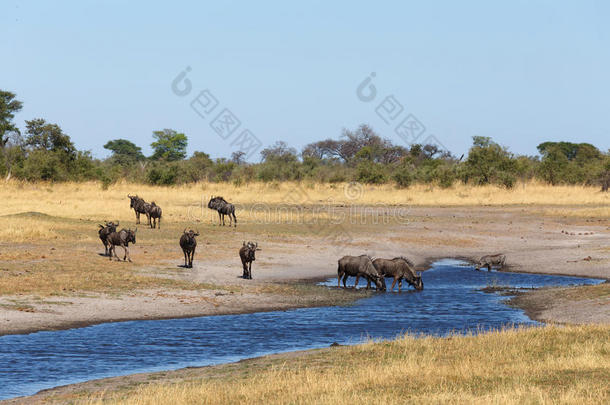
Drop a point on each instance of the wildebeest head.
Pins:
(418, 283)
(134, 199)
(191, 234)
(131, 236)
(252, 248)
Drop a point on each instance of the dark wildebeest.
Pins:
(224, 208)
(358, 266)
(121, 238)
(154, 213)
(246, 254)
(491, 260)
(104, 231)
(188, 243)
(400, 268)
(139, 206)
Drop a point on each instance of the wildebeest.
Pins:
(358, 266)
(188, 243)
(139, 206)
(154, 213)
(400, 268)
(104, 231)
(491, 260)
(122, 238)
(246, 254)
(224, 208)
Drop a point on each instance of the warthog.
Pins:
(246, 254)
(104, 231)
(358, 266)
(121, 238)
(224, 208)
(491, 260)
(188, 243)
(139, 206)
(400, 268)
(154, 213)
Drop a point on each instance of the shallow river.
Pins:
(450, 302)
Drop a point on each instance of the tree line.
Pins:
(43, 152)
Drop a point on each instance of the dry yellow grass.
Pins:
(189, 202)
(537, 365)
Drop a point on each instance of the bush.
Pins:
(372, 173)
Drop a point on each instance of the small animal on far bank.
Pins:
(154, 214)
(491, 260)
(358, 266)
(139, 206)
(247, 256)
(399, 268)
(188, 243)
(103, 233)
(224, 208)
(122, 238)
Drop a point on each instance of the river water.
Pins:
(451, 302)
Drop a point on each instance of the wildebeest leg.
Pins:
(357, 279)
(159, 219)
(191, 258)
(345, 276)
(223, 219)
(488, 267)
(399, 284)
(137, 217)
(127, 252)
(235, 220)
(393, 284)
(110, 252)
(368, 283)
(219, 216)
(339, 275)
(185, 262)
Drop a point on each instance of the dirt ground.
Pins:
(532, 241)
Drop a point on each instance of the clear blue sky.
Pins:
(521, 72)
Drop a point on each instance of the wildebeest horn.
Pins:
(136, 230)
(184, 230)
(243, 243)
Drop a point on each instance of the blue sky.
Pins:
(521, 72)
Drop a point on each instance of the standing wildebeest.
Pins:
(358, 266)
(246, 254)
(139, 206)
(188, 243)
(153, 213)
(224, 208)
(491, 260)
(400, 268)
(121, 238)
(104, 231)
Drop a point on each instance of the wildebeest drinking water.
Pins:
(491, 260)
(139, 206)
(104, 231)
(246, 254)
(122, 238)
(358, 266)
(399, 268)
(224, 208)
(188, 243)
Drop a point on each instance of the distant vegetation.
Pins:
(44, 152)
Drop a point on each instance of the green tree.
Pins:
(124, 152)
(169, 145)
(45, 136)
(8, 107)
(489, 162)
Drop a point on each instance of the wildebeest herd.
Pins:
(373, 270)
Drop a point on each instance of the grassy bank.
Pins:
(536, 365)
